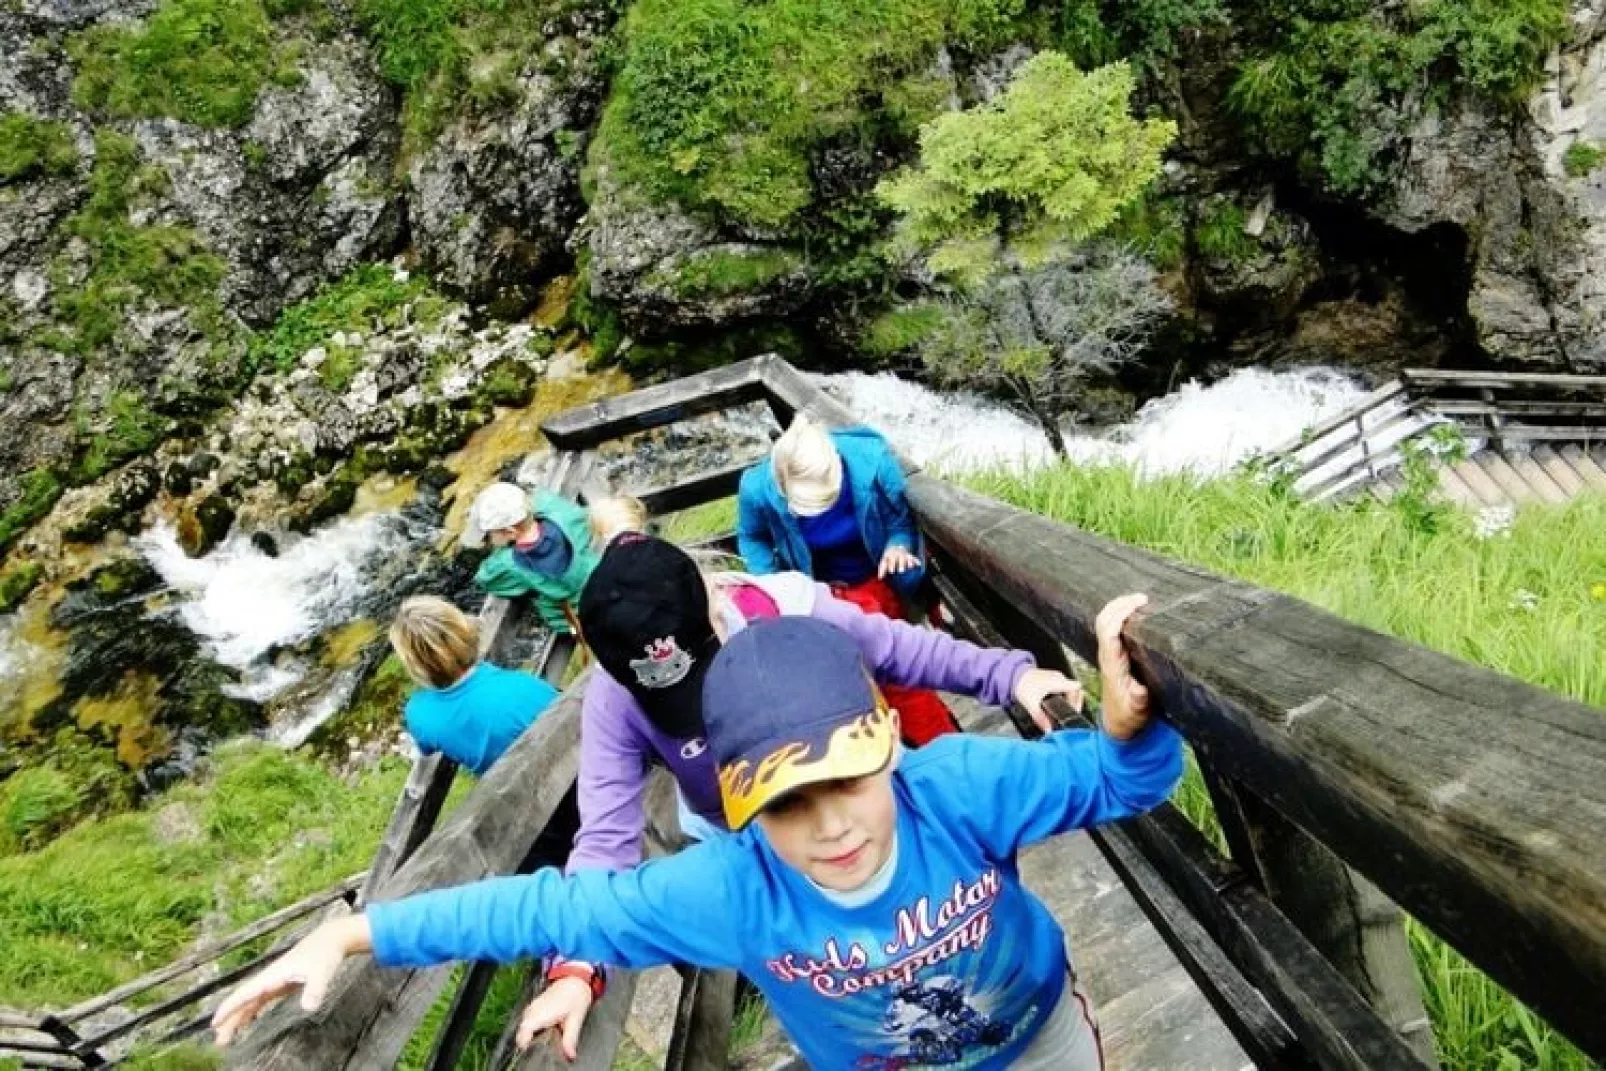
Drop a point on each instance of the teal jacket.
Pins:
(501, 574)
(768, 535)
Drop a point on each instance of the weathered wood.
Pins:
(701, 1041)
(599, 1042)
(1517, 407)
(371, 1012)
(707, 487)
(1308, 437)
(1439, 378)
(429, 782)
(1473, 800)
(789, 392)
(265, 925)
(652, 407)
(45, 1059)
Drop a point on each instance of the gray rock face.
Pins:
(495, 196)
(658, 263)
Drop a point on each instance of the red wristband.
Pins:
(592, 976)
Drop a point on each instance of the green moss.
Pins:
(30, 147)
(16, 582)
(721, 273)
(374, 711)
(125, 429)
(202, 61)
(1581, 158)
(507, 383)
(699, 353)
(1326, 83)
(129, 264)
(38, 493)
(901, 330)
(365, 299)
(719, 103)
(1219, 234)
(339, 368)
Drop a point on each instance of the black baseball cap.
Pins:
(644, 614)
(789, 702)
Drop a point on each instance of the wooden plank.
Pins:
(605, 1026)
(1307, 438)
(707, 487)
(1559, 471)
(1438, 378)
(651, 407)
(701, 1041)
(265, 925)
(1336, 446)
(1473, 475)
(429, 782)
(1586, 467)
(371, 1012)
(1534, 475)
(1566, 433)
(13, 1021)
(1506, 477)
(1479, 813)
(44, 1059)
(1454, 488)
(1516, 407)
(789, 392)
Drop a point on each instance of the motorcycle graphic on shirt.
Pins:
(934, 1024)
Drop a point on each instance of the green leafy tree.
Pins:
(1006, 204)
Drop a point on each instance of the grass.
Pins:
(1219, 234)
(1530, 603)
(114, 898)
(129, 264)
(30, 147)
(365, 299)
(37, 494)
(720, 273)
(699, 522)
(202, 61)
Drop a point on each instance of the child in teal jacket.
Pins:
(544, 549)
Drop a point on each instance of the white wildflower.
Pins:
(1523, 599)
(1494, 521)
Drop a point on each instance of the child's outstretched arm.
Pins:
(674, 910)
(1075, 778)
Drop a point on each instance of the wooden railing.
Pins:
(1504, 409)
(1340, 762)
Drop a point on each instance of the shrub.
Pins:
(202, 61)
(30, 147)
(1581, 158)
(364, 299)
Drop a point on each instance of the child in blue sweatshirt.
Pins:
(876, 897)
(468, 710)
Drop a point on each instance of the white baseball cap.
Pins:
(501, 505)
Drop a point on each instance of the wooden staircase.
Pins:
(1529, 438)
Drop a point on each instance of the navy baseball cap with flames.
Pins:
(789, 702)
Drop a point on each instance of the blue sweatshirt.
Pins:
(955, 963)
(479, 717)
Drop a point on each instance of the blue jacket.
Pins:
(768, 534)
(479, 717)
(954, 962)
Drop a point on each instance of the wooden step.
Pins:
(1534, 475)
(1455, 490)
(1587, 468)
(1565, 476)
(1503, 474)
(1487, 492)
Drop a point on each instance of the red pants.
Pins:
(921, 712)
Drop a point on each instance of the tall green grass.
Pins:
(113, 899)
(1530, 602)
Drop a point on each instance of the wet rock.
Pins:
(203, 525)
(264, 542)
(1252, 255)
(130, 491)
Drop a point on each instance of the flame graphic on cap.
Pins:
(855, 748)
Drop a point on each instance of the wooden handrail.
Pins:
(1472, 799)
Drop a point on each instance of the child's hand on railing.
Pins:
(309, 966)
(564, 1004)
(1036, 686)
(1125, 701)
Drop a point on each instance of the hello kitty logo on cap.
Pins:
(665, 664)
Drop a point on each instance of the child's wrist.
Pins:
(352, 934)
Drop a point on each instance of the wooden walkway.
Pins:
(1514, 477)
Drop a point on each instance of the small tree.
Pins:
(1005, 205)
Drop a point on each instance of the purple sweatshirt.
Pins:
(617, 742)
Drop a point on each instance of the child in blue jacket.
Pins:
(875, 901)
(468, 710)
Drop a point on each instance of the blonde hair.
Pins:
(436, 642)
(808, 468)
(615, 515)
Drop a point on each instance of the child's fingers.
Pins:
(571, 1035)
(1107, 626)
(539, 1017)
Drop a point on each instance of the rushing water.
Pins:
(1206, 429)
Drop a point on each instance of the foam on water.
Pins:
(243, 603)
(1205, 429)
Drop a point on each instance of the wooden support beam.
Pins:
(1471, 799)
(371, 1012)
(789, 392)
(707, 487)
(701, 1040)
(652, 407)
